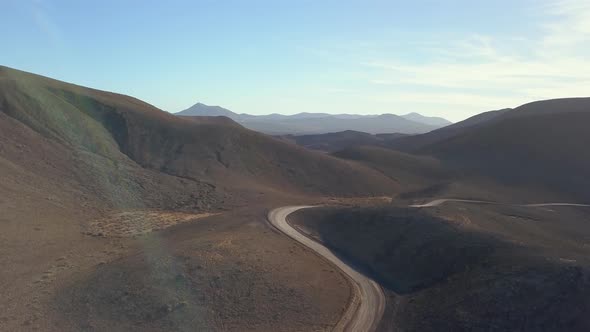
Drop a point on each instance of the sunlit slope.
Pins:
(121, 130)
(53, 149)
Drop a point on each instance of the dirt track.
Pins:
(366, 308)
(438, 202)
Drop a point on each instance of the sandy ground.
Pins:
(177, 271)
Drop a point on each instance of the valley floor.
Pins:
(228, 271)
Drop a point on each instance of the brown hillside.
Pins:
(540, 143)
(467, 267)
(88, 181)
(412, 173)
(124, 130)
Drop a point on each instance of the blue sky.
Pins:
(445, 58)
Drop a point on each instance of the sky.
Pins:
(453, 58)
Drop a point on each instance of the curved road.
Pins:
(438, 202)
(368, 302)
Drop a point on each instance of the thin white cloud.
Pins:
(44, 22)
(570, 30)
(483, 70)
(471, 101)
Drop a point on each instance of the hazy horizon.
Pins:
(262, 57)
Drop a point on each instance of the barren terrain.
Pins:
(118, 216)
(467, 266)
(115, 215)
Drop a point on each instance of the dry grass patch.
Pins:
(132, 223)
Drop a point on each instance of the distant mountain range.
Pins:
(429, 120)
(320, 123)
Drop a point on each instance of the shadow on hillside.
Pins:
(405, 250)
(450, 278)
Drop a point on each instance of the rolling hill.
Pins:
(414, 143)
(411, 172)
(95, 187)
(115, 215)
(429, 120)
(332, 142)
(116, 133)
(466, 267)
(541, 144)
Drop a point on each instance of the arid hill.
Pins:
(112, 132)
(467, 267)
(118, 216)
(415, 142)
(538, 144)
(332, 142)
(411, 172)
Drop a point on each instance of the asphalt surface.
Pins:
(368, 302)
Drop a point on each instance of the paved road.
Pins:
(440, 201)
(366, 308)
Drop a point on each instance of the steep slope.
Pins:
(72, 143)
(124, 130)
(543, 143)
(537, 144)
(413, 143)
(88, 181)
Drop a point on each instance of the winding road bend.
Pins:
(440, 201)
(366, 308)
(368, 302)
